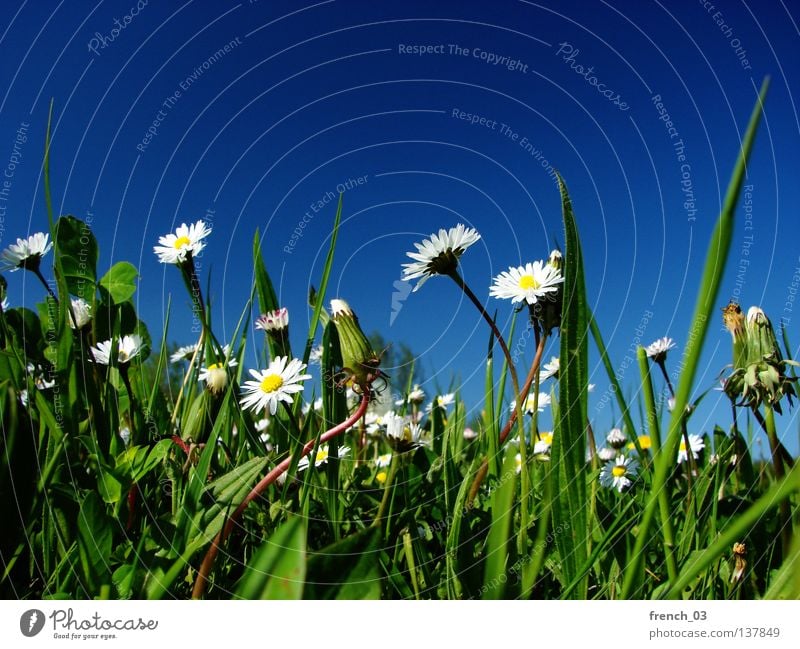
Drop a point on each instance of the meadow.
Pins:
(236, 481)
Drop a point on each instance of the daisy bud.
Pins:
(740, 562)
(82, 311)
(556, 260)
(616, 438)
(606, 454)
(761, 341)
(358, 357)
(274, 322)
(216, 378)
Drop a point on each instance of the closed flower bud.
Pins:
(734, 322)
(359, 359)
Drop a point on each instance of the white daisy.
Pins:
(82, 311)
(128, 348)
(543, 444)
(316, 406)
(39, 379)
(275, 321)
(125, 435)
(443, 401)
(550, 369)
(187, 241)
(527, 407)
(402, 434)
(619, 474)
(383, 460)
(416, 396)
(532, 282)
(696, 444)
(616, 438)
(556, 259)
(470, 434)
(518, 462)
(26, 253)
(215, 376)
(184, 353)
(321, 457)
(261, 425)
(606, 453)
(279, 382)
(658, 350)
(439, 254)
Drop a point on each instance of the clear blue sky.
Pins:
(308, 96)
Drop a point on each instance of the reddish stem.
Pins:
(266, 481)
(180, 443)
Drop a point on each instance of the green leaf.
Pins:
(569, 438)
(716, 260)
(94, 541)
(278, 568)
(120, 281)
(495, 577)
(77, 249)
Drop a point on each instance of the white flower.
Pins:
(279, 382)
(696, 444)
(443, 401)
(4, 304)
(39, 379)
(383, 460)
(317, 405)
(531, 283)
(550, 369)
(416, 396)
(543, 444)
(619, 474)
(606, 453)
(439, 254)
(185, 242)
(261, 425)
(401, 433)
(82, 311)
(658, 350)
(184, 353)
(26, 253)
(321, 457)
(125, 435)
(470, 434)
(527, 407)
(518, 462)
(590, 388)
(215, 376)
(616, 438)
(276, 321)
(128, 348)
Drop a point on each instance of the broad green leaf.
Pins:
(278, 568)
(495, 567)
(77, 249)
(120, 281)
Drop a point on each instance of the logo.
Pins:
(31, 622)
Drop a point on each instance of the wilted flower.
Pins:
(439, 254)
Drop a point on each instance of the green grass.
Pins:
(88, 515)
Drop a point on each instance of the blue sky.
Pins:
(252, 114)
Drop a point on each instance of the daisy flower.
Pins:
(275, 321)
(401, 433)
(543, 444)
(532, 283)
(658, 350)
(619, 474)
(645, 443)
(616, 438)
(39, 378)
(439, 254)
(186, 242)
(470, 434)
(518, 462)
(82, 311)
(321, 457)
(279, 382)
(128, 348)
(696, 444)
(416, 396)
(606, 453)
(528, 407)
(26, 253)
(550, 369)
(184, 353)
(316, 406)
(125, 435)
(442, 401)
(215, 376)
(383, 460)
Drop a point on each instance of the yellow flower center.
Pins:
(547, 438)
(215, 366)
(644, 443)
(381, 477)
(180, 242)
(618, 471)
(322, 455)
(271, 383)
(527, 282)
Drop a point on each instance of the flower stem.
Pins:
(777, 461)
(260, 488)
(387, 490)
